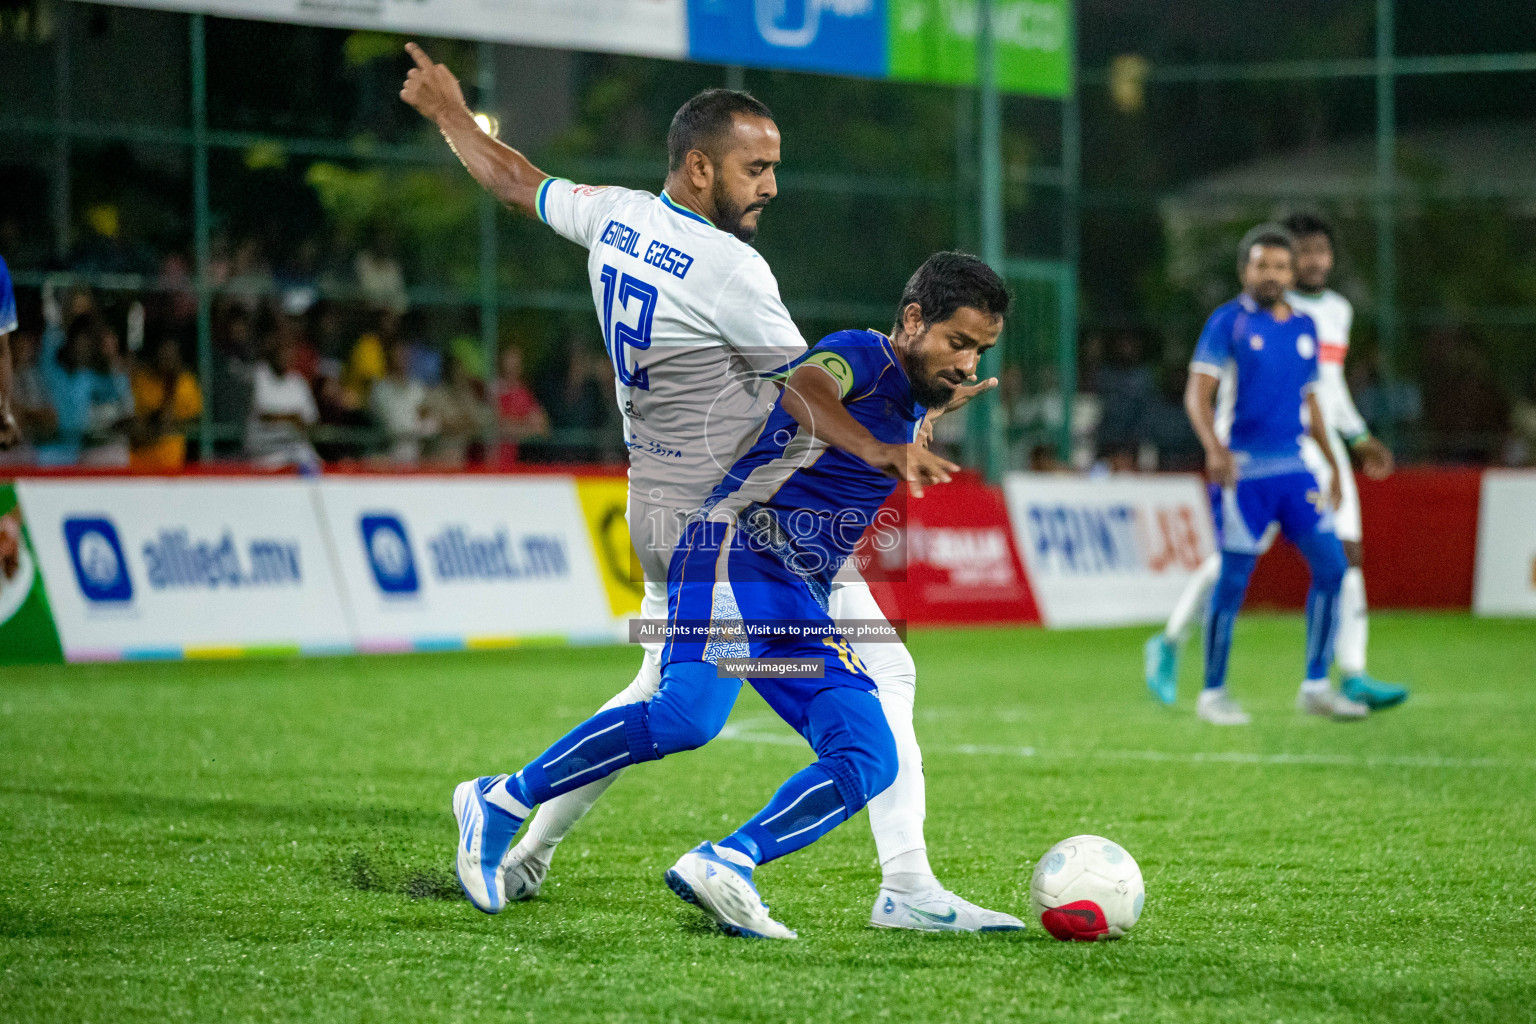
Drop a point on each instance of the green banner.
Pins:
(27, 633)
(935, 41)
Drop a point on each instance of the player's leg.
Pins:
(856, 759)
(1160, 654)
(1354, 625)
(689, 709)
(1311, 530)
(528, 862)
(1246, 514)
(896, 815)
(654, 532)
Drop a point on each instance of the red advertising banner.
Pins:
(954, 562)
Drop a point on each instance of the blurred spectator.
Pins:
(87, 381)
(379, 274)
(177, 305)
(166, 399)
(462, 415)
(1521, 449)
(250, 280)
(1040, 414)
(282, 411)
(234, 367)
(1127, 392)
(30, 403)
(1168, 429)
(1462, 399)
(366, 362)
(584, 402)
(519, 416)
(397, 404)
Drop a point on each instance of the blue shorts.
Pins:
(1243, 513)
(718, 576)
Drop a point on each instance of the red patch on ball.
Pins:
(1082, 921)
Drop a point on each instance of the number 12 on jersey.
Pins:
(618, 290)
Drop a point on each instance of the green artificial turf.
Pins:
(272, 840)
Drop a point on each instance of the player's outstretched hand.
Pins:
(965, 392)
(430, 88)
(915, 464)
(1375, 458)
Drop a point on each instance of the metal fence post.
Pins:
(1386, 205)
(490, 308)
(986, 429)
(200, 244)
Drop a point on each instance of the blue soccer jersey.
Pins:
(822, 497)
(7, 300)
(1266, 367)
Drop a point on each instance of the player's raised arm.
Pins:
(501, 170)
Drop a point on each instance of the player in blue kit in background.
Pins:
(1250, 399)
(762, 551)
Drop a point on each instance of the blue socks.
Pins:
(805, 808)
(1221, 615)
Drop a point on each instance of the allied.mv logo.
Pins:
(389, 554)
(97, 555)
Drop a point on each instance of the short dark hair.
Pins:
(949, 280)
(1305, 222)
(1267, 234)
(700, 123)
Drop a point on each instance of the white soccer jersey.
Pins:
(694, 327)
(1334, 316)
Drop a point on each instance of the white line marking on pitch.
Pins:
(755, 730)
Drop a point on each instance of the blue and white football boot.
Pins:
(486, 828)
(937, 910)
(1160, 658)
(725, 892)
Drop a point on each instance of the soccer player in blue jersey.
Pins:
(1250, 399)
(761, 553)
(10, 433)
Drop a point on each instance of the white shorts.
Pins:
(1346, 518)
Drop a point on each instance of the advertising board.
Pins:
(445, 563)
(1112, 551)
(1505, 578)
(184, 568)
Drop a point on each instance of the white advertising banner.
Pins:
(655, 28)
(441, 563)
(1505, 580)
(1108, 552)
(184, 568)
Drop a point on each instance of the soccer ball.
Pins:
(1087, 888)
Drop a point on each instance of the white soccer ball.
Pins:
(1087, 888)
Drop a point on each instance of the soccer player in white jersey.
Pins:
(696, 330)
(1334, 317)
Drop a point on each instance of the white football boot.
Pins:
(1218, 708)
(1330, 703)
(937, 910)
(725, 892)
(486, 828)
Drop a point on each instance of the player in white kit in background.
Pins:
(697, 333)
(1347, 431)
